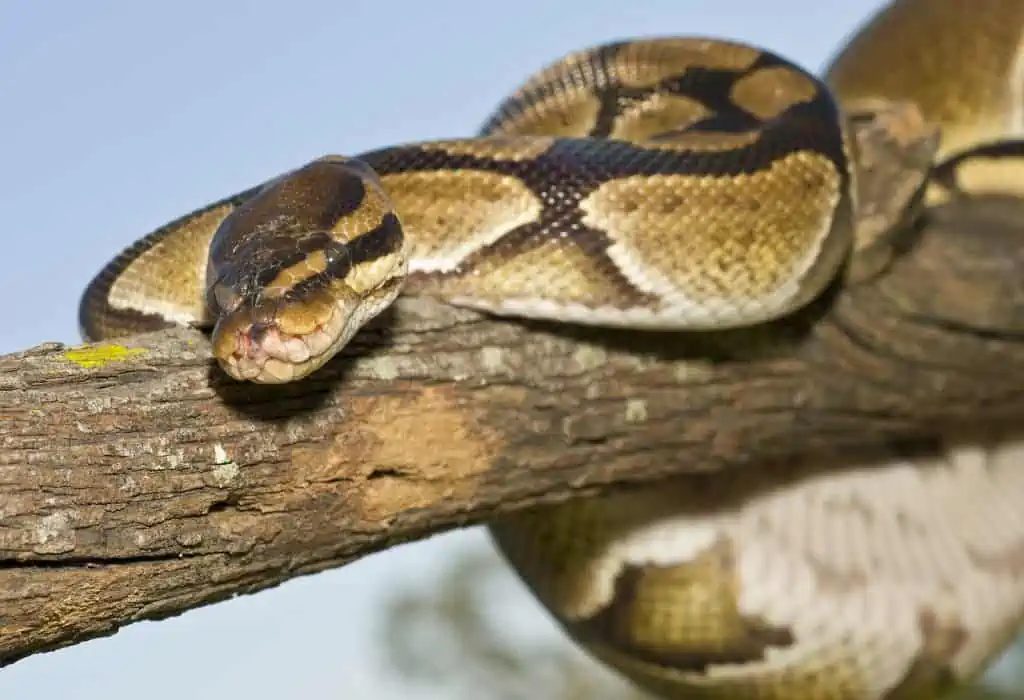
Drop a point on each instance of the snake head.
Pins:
(298, 269)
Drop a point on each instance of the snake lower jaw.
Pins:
(263, 353)
(250, 348)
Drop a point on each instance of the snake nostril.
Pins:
(248, 341)
(258, 332)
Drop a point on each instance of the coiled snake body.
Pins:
(679, 184)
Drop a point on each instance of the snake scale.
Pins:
(680, 184)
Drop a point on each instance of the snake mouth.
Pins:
(251, 347)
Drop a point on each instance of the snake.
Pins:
(671, 184)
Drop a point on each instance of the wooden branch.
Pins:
(137, 482)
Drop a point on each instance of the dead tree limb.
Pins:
(136, 482)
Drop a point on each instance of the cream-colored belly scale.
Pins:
(823, 579)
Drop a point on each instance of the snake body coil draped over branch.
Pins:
(678, 185)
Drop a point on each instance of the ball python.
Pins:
(674, 184)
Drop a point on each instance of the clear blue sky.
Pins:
(118, 115)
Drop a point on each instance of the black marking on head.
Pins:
(289, 219)
(347, 193)
(278, 253)
(383, 239)
(306, 202)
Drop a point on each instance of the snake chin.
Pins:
(265, 353)
(251, 344)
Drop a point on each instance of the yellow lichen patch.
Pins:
(91, 356)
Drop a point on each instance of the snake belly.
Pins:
(674, 184)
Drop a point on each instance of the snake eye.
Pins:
(338, 258)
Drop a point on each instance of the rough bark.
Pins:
(137, 482)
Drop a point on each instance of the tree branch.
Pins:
(138, 482)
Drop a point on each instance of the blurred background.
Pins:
(116, 116)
